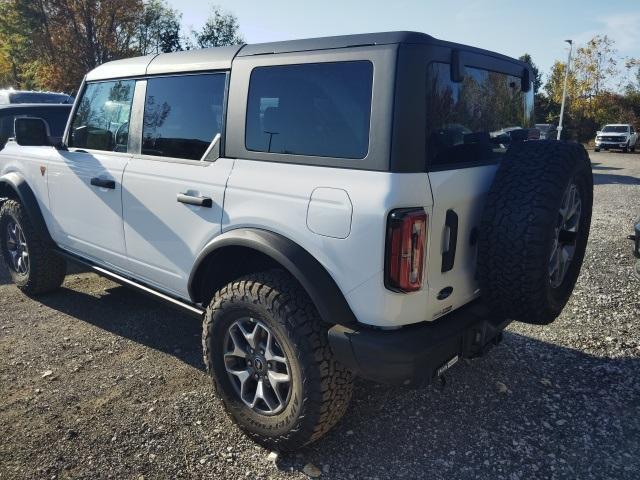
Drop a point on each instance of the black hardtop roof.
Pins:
(340, 41)
(222, 57)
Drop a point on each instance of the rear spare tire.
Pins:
(534, 230)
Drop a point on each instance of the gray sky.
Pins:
(505, 26)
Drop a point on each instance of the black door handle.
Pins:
(103, 183)
(449, 255)
(193, 200)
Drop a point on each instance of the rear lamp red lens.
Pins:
(406, 243)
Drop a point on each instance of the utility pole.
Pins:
(564, 90)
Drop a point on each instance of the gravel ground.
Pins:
(97, 381)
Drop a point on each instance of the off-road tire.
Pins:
(47, 269)
(626, 148)
(518, 229)
(321, 387)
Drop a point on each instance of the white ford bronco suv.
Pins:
(330, 207)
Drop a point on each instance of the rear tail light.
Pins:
(406, 242)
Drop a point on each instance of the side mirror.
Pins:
(32, 132)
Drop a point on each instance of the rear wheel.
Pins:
(267, 351)
(33, 265)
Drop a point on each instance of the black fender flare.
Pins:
(15, 183)
(314, 278)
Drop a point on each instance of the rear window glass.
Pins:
(474, 120)
(182, 115)
(318, 109)
(39, 97)
(55, 117)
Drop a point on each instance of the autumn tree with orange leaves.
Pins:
(52, 44)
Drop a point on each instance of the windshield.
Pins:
(39, 97)
(616, 128)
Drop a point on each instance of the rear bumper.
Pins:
(417, 354)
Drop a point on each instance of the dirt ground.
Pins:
(98, 381)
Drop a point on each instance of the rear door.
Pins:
(466, 123)
(174, 188)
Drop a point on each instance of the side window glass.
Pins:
(101, 121)
(182, 115)
(6, 128)
(56, 118)
(474, 120)
(316, 109)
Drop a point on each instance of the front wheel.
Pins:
(33, 265)
(268, 354)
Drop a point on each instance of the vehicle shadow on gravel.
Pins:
(610, 178)
(529, 408)
(129, 314)
(5, 279)
(72, 268)
(598, 166)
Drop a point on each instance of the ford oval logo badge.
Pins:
(445, 292)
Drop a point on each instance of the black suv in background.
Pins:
(56, 116)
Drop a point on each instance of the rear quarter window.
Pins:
(317, 109)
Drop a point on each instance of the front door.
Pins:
(85, 182)
(174, 190)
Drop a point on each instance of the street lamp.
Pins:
(564, 90)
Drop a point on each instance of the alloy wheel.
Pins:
(17, 248)
(566, 234)
(257, 366)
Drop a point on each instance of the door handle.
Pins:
(103, 183)
(449, 255)
(193, 200)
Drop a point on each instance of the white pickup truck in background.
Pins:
(617, 135)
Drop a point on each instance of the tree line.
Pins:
(52, 44)
(602, 88)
